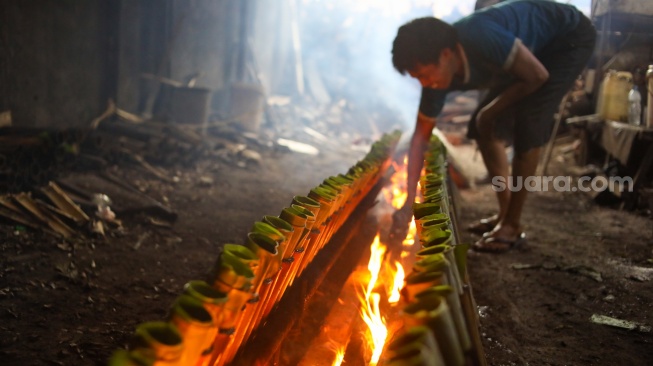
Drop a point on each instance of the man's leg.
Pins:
(494, 156)
(524, 165)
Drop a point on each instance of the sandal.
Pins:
(491, 244)
(483, 226)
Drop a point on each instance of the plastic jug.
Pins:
(613, 95)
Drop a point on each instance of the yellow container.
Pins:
(613, 95)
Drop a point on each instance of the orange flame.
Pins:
(396, 194)
(340, 356)
(397, 283)
(370, 307)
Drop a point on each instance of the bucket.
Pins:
(613, 96)
(183, 105)
(247, 102)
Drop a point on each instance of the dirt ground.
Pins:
(74, 302)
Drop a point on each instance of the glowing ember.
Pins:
(397, 283)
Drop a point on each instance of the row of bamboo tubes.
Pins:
(211, 319)
(438, 327)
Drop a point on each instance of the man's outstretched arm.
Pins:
(418, 143)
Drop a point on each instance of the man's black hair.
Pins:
(420, 41)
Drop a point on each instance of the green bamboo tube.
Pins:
(455, 279)
(195, 324)
(326, 202)
(125, 358)
(286, 261)
(265, 249)
(426, 208)
(329, 193)
(416, 346)
(234, 277)
(212, 300)
(254, 315)
(337, 209)
(439, 220)
(298, 221)
(433, 312)
(417, 282)
(160, 341)
(309, 204)
(453, 300)
(434, 237)
(437, 196)
(439, 262)
(267, 229)
(311, 246)
(304, 247)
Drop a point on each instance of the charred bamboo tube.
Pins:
(433, 312)
(195, 324)
(416, 346)
(159, 341)
(234, 276)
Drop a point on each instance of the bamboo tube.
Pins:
(286, 261)
(195, 324)
(440, 262)
(266, 293)
(426, 208)
(455, 306)
(234, 277)
(303, 246)
(439, 221)
(417, 282)
(433, 311)
(265, 248)
(213, 301)
(416, 346)
(125, 358)
(160, 341)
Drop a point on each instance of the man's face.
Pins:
(435, 76)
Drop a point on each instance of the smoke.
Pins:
(350, 42)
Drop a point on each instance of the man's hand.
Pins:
(401, 222)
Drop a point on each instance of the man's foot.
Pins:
(500, 240)
(483, 226)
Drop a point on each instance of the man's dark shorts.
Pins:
(529, 123)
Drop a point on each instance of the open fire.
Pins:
(385, 275)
